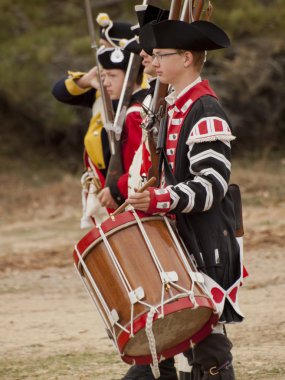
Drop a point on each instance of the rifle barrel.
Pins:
(90, 24)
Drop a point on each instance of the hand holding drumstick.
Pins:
(140, 200)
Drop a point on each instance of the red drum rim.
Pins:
(140, 323)
(110, 226)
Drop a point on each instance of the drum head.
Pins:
(170, 330)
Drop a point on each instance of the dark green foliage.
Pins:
(40, 40)
(251, 18)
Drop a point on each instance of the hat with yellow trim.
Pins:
(113, 30)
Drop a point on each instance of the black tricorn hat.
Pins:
(118, 31)
(113, 58)
(148, 13)
(172, 34)
(145, 14)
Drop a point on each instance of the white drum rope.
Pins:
(148, 242)
(109, 329)
(162, 301)
(115, 261)
(154, 257)
(99, 295)
(181, 253)
(132, 321)
(151, 341)
(185, 262)
(124, 279)
(87, 287)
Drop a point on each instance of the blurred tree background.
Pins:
(41, 39)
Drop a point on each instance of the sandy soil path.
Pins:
(49, 327)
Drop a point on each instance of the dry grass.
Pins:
(48, 329)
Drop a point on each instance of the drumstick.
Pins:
(121, 208)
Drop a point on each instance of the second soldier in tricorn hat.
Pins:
(195, 178)
(141, 163)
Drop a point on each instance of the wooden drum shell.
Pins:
(181, 323)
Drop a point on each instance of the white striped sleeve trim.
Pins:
(218, 176)
(209, 192)
(174, 197)
(190, 194)
(227, 143)
(210, 153)
(134, 109)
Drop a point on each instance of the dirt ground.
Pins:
(49, 327)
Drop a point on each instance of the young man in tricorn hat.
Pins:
(195, 174)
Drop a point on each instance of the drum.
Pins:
(147, 290)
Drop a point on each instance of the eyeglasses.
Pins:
(158, 56)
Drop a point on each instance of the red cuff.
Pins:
(122, 185)
(159, 201)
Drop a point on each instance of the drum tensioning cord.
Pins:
(128, 288)
(160, 269)
(101, 299)
(151, 341)
(124, 280)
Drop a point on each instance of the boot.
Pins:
(143, 372)
(184, 375)
(211, 359)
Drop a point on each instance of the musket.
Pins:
(197, 11)
(115, 168)
(209, 11)
(186, 13)
(106, 100)
(158, 108)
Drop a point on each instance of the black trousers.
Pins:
(143, 372)
(211, 359)
(184, 376)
